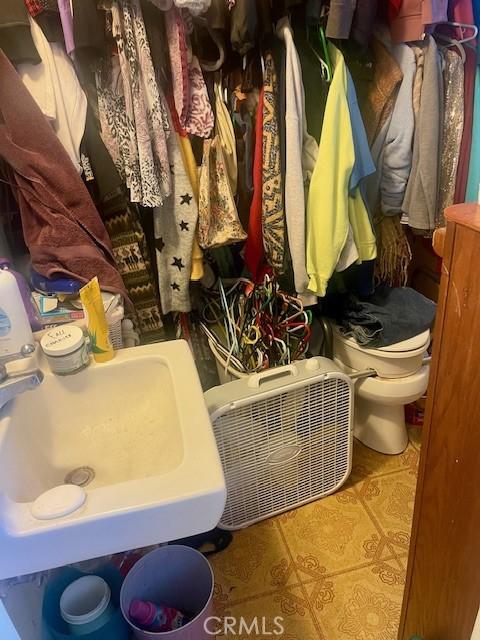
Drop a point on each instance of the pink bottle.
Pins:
(154, 617)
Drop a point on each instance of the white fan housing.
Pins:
(284, 437)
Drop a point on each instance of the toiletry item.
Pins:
(66, 349)
(67, 286)
(86, 605)
(53, 310)
(100, 343)
(155, 617)
(15, 330)
(26, 294)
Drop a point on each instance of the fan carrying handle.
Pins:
(288, 371)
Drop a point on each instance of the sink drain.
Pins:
(81, 476)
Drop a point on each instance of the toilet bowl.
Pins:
(402, 377)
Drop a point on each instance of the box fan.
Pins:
(284, 438)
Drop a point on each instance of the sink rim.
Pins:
(200, 456)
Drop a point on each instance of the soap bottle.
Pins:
(154, 617)
(15, 330)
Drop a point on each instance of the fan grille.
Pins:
(284, 450)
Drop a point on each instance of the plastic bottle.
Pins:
(26, 294)
(154, 617)
(15, 330)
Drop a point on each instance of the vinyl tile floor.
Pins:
(333, 569)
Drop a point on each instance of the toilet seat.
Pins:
(394, 361)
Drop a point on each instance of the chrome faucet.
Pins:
(12, 384)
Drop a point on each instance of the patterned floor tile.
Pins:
(256, 562)
(415, 435)
(334, 569)
(368, 463)
(328, 535)
(290, 606)
(360, 605)
(390, 501)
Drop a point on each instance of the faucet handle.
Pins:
(26, 351)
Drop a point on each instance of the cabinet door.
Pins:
(443, 579)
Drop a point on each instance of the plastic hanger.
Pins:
(324, 66)
(463, 26)
(324, 44)
(451, 42)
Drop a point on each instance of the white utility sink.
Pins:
(137, 426)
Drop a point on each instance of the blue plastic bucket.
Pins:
(115, 628)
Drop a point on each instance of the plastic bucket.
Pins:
(86, 605)
(57, 628)
(179, 577)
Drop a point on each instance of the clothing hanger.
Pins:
(324, 66)
(451, 42)
(463, 26)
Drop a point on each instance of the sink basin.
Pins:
(136, 431)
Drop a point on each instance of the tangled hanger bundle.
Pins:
(256, 326)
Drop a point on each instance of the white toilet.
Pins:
(402, 377)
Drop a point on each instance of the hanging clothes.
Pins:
(364, 21)
(54, 85)
(88, 29)
(315, 85)
(273, 212)
(301, 151)
(397, 151)
(331, 209)
(34, 7)
(363, 167)
(473, 184)
(462, 11)
(254, 253)
(419, 53)
(15, 38)
(421, 196)
(174, 224)
(218, 222)
(133, 260)
(452, 127)
(62, 229)
(66, 17)
(196, 7)
(200, 119)
(340, 17)
(412, 18)
(178, 54)
(226, 136)
(132, 110)
(377, 94)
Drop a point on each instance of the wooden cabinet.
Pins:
(442, 593)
